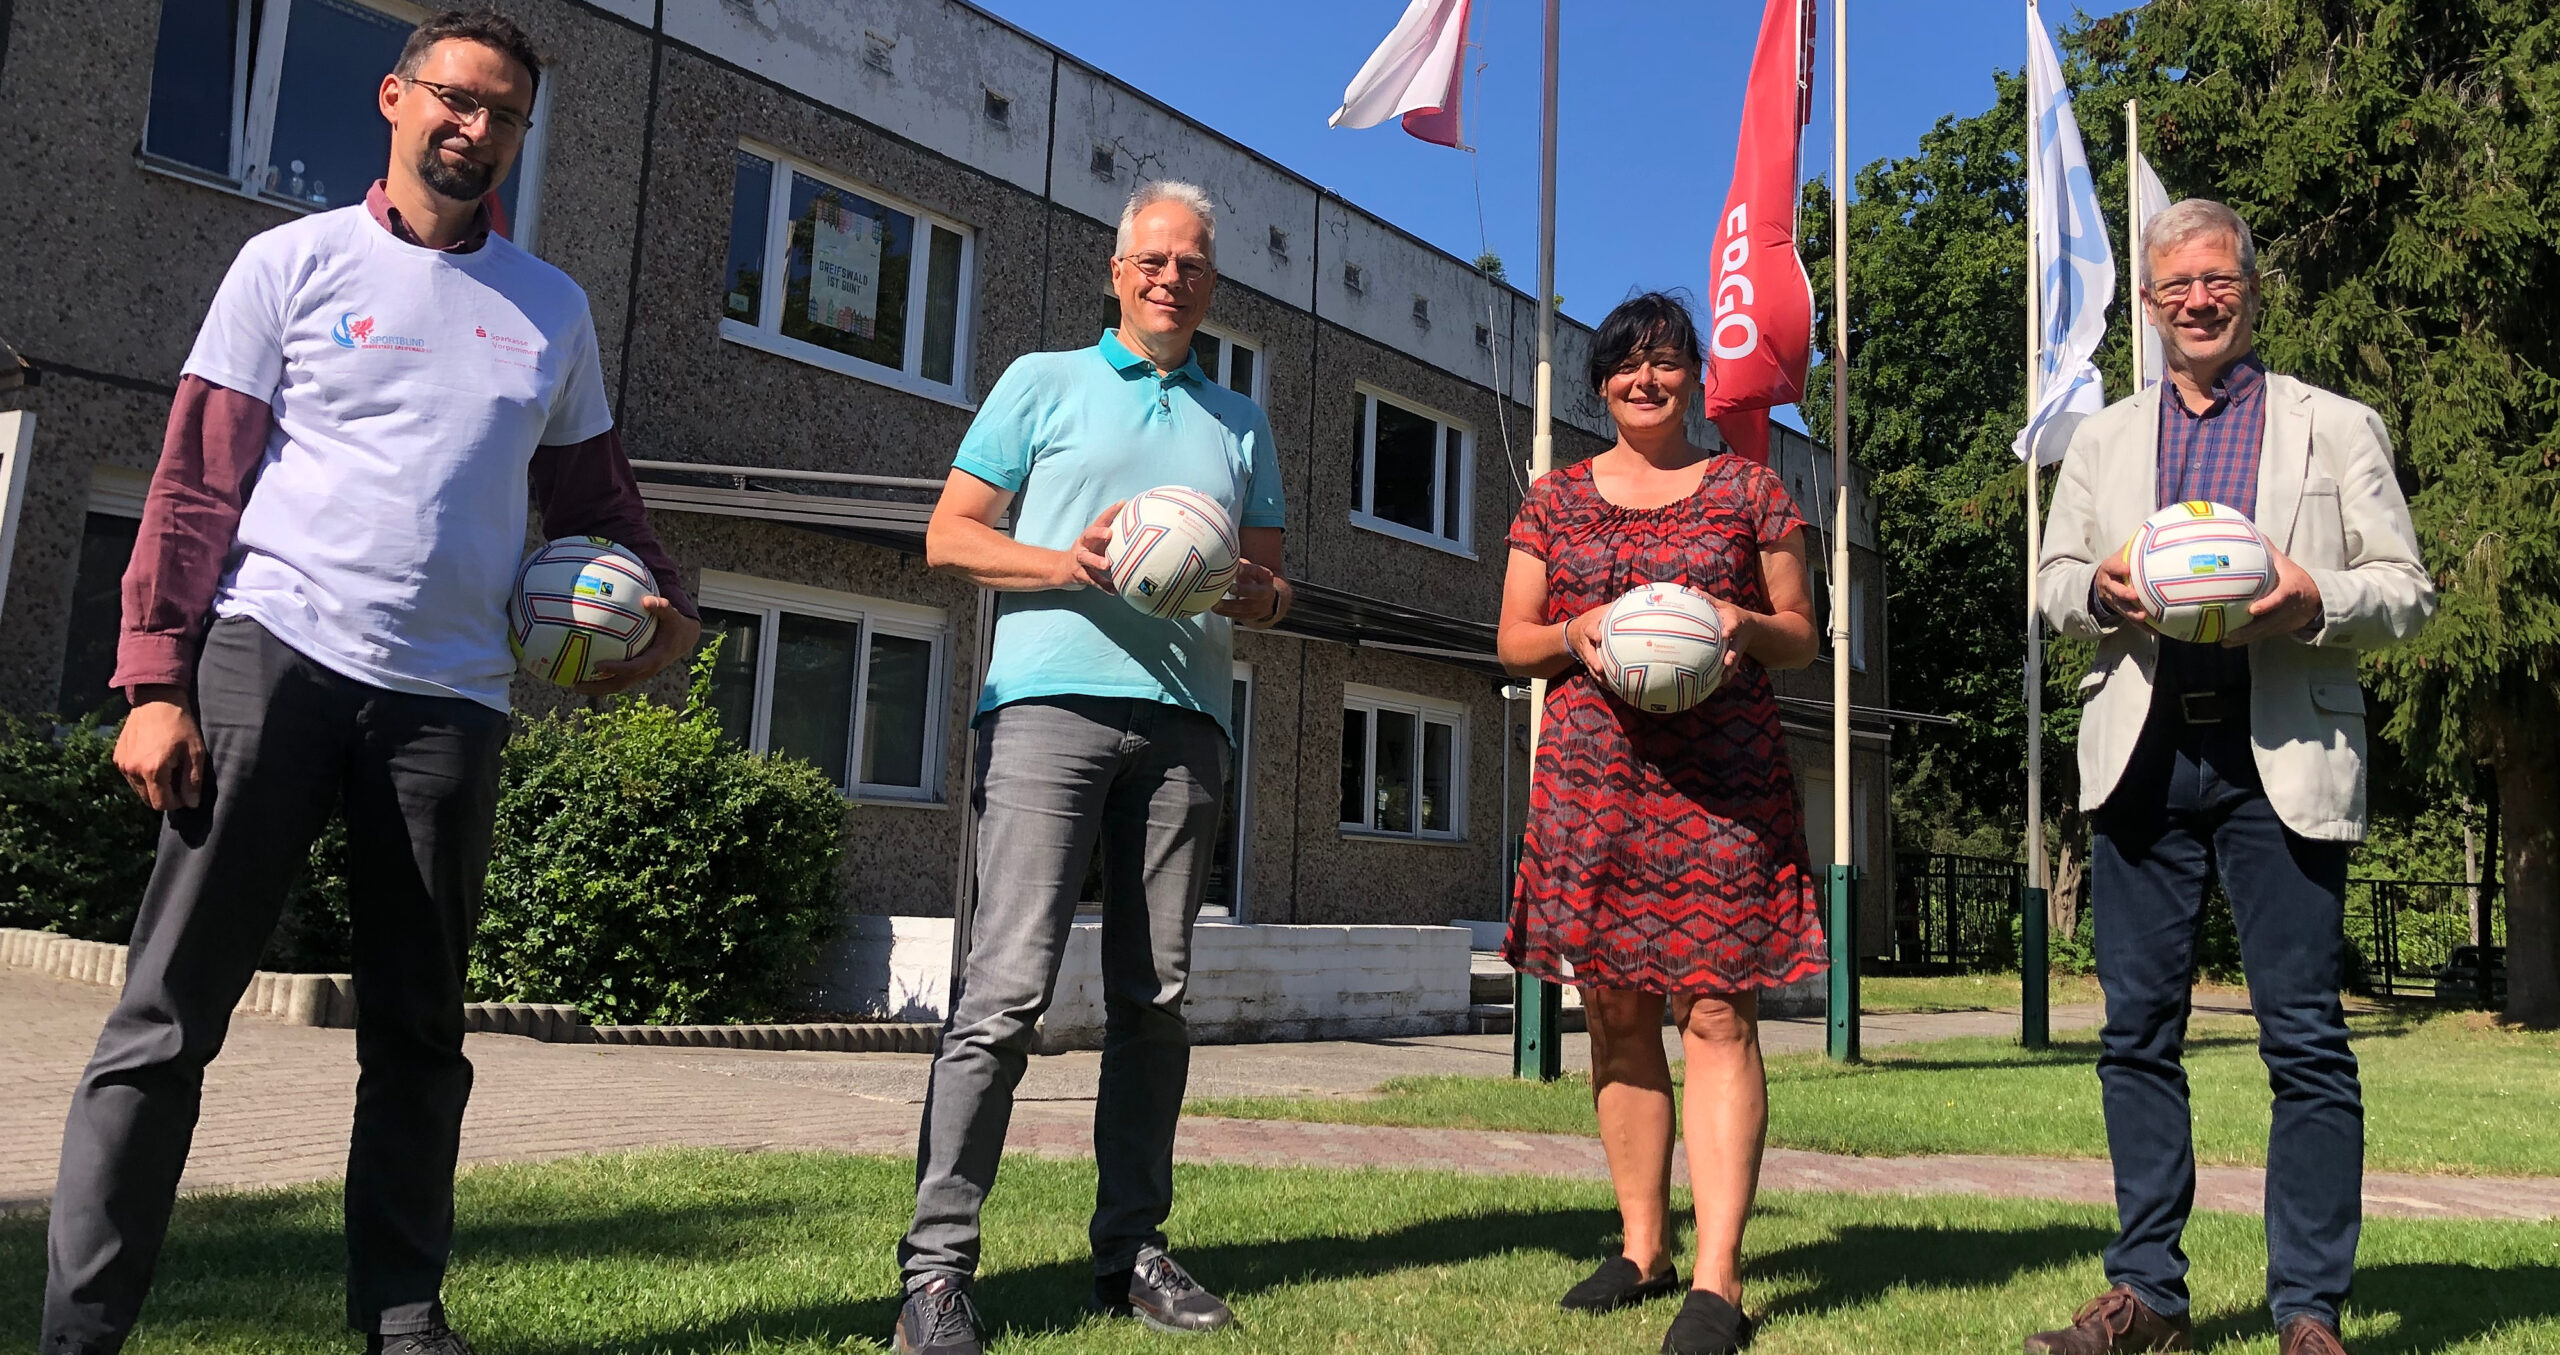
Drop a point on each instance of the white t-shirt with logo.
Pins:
(410, 389)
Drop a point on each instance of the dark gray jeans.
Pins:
(289, 740)
(1053, 776)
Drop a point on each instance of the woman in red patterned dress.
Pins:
(1665, 859)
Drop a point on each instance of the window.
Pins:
(1226, 888)
(276, 98)
(1229, 361)
(107, 537)
(1403, 764)
(1422, 311)
(852, 684)
(1278, 245)
(864, 285)
(1412, 474)
(1353, 281)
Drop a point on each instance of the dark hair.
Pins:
(484, 26)
(1644, 321)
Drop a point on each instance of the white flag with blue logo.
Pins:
(2075, 268)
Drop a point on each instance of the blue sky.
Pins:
(1651, 97)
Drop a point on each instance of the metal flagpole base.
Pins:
(1842, 928)
(2035, 1017)
(1537, 1028)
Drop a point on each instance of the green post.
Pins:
(1842, 924)
(2034, 1019)
(1537, 1022)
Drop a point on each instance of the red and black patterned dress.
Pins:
(1665, 853)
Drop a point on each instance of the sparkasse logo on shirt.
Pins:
(356, 331)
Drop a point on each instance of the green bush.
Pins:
(75, 842)
(647, 870)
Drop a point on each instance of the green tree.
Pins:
(2400, 163)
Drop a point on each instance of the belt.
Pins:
(2213, 708)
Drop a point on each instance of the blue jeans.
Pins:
(2191, 806)
(1056, 776)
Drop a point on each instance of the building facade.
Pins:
(813, 235)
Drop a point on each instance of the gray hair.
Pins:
(2193, 217)
(1188, 195)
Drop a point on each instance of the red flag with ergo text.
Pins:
(1760, 310)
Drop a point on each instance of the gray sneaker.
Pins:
(1160, 1293)
(939, 1319)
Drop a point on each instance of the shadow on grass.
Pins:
(1859, 1264)
(255, 1265)
(2437, 1304)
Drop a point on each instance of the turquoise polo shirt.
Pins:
(1070, 434)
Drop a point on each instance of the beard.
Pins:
(467, 182)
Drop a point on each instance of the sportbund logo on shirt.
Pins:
(356, 331)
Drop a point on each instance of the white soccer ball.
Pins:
(1173, 552)
(2198, 566)
(1662, 647)
(576, 605)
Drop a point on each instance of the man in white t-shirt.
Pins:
(314, 620)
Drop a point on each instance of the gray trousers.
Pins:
(1053, 776)
(288, 741)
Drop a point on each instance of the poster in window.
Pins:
(844, 267)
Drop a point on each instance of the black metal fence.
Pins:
(2429, 938)
(1954, 912)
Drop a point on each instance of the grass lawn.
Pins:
(712, 1252)
(1966, 992)
(2443, 1093)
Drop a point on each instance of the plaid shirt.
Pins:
(2212, 456)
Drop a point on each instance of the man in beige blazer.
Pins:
(2243, 761)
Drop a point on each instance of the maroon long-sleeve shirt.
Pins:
(209, 461)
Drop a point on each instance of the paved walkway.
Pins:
(278, 1102)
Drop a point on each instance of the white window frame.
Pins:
(1228, 340)
(254, 87)
(1464, 544)
(767, 333)
(769, 598)
(1425, 710)
(1239, 884)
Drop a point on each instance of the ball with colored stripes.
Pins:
(576, 605)
(1173, 552)
(2198, 566)
(1662, 647)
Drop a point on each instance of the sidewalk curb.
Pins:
(329, 1001)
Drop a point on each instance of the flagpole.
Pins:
(2035, 524)
(2133, 226)
(1537, 1011)
(1843, 1020)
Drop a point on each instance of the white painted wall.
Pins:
(1248, 983)
(942, 59)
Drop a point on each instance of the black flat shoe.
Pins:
(1616, 1284)
(1707, 1325)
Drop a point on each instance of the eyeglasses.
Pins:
(467, 108)
(1192, 269)
(2219, 286)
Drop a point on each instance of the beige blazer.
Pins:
(2328, 499)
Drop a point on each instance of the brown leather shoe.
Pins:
(2309, 1336)
(2116, 1320)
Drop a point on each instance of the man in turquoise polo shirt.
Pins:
(1097, 723)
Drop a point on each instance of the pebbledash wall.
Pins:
(1378, 748)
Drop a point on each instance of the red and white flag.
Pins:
(1760, 310)
(1414, 74)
